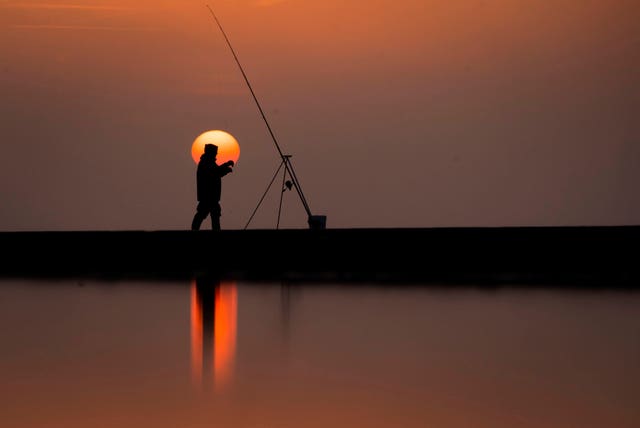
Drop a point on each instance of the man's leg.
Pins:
(215, 217)
(215, 222)
(199, 217)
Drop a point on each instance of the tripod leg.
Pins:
(265, 192)
(284, 177)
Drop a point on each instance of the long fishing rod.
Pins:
(285, 158)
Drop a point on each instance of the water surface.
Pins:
(89, 353)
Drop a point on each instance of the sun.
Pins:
(228, 147)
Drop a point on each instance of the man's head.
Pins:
(211, 149)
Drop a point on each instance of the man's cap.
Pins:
(210, 148)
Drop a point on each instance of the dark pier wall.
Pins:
(598, 254)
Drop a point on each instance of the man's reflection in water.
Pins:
(213, 331)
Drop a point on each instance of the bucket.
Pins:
(317, 222)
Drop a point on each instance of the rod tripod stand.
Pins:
(315, 222)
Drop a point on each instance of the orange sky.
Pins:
(479, 112)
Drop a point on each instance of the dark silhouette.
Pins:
(213, 330)
(209, 183)
(206, 289)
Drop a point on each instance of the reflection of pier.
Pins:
(213, 330)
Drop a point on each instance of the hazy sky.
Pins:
(398, 113)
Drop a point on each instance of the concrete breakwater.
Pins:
(577, 254)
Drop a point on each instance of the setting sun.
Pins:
(228, 147)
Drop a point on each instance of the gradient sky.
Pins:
(398, 113)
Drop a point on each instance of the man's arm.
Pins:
(225, 168)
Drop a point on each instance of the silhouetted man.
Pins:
(209, 183)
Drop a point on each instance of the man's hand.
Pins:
(230, 163)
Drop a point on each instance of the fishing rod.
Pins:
(314, 221)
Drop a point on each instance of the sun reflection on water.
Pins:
(213, 332)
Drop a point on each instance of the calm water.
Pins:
(244, 355)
